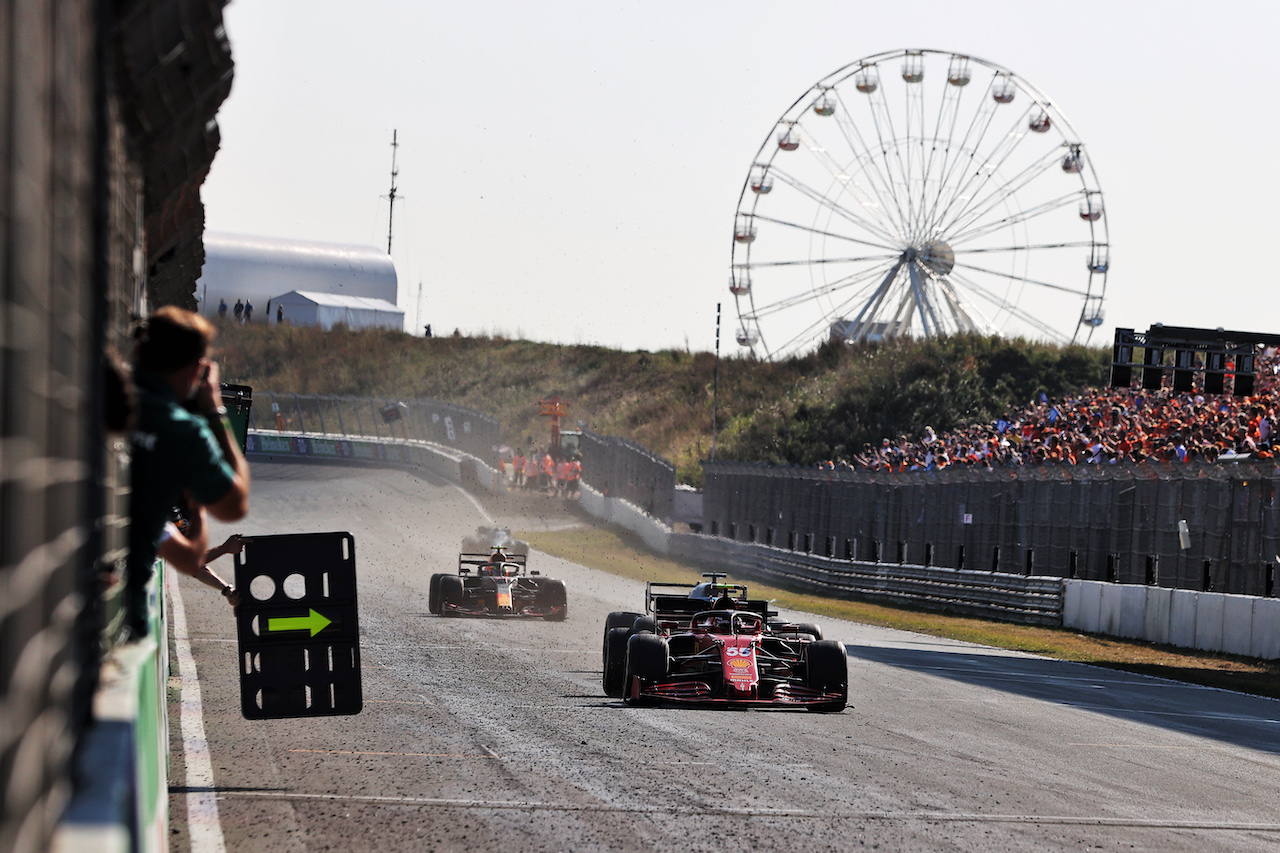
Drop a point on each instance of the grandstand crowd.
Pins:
(1102, 426)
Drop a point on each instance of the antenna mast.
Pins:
(394, 171)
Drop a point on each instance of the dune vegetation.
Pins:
(824, 405)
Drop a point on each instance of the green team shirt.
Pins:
(173, 451)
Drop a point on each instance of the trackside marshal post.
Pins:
(298, 632)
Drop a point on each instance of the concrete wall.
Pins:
(421, 455)
(655, 534)
(1208, 621)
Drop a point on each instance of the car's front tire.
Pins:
(551, 593)
(433, 594)
(616, 619)
(648, 659)
(614, 676)
(451, 592)
(827, 670)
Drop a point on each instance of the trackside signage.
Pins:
(258, 443)
(297, 626)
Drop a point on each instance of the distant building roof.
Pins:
(255, 269)
(298, 253)
(336, 300)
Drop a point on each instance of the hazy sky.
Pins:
(569, 172)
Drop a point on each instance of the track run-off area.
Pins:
(495, 735)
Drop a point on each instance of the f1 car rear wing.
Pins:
(477, 559)
(672, 599)
(666, 589)
(672, 605)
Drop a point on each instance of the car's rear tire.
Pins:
(451, 592)
(551, 593)
(433, 594)
(620, 619)
(614, 676)
(827, 669)
(809, 628)
(644, 625)
(616, 619)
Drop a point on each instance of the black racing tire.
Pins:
(644, 625)
(616, 619)
(433, 594)
(614, 675)
(620, 619)
(809, 628)
(551, 593)
(451, 592)
(648, 658)
(827, 669)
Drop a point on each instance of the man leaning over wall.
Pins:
(180, 456)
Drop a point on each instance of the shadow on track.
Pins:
(1247, 721)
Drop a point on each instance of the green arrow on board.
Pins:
(313, 622)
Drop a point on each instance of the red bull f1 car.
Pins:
(497, 584)
(709, 644)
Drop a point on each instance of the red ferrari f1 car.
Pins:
(500, 585)
(714, 646)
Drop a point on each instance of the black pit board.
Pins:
(294, 663)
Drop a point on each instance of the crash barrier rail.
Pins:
(1210, 621)
(421, 419)
(1030, 600)
(1205, 527)
(1010, 598)
(620, 468)
(451, 464)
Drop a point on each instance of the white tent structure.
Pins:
(326, 310)
(255, 269)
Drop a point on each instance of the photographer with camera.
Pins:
(181, 456)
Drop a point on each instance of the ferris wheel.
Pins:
(918, 193)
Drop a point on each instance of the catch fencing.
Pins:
(420, 419)
(619, 468)
(1199, 526)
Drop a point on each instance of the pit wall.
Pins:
(121, 804)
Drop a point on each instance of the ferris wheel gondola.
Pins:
(950, 197)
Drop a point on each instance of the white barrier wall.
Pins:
(655, 534)
(1208, 621)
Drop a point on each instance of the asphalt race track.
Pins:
(495, 735)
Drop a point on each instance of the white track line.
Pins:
(203, 826)
(803, 814)
(483, 512)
